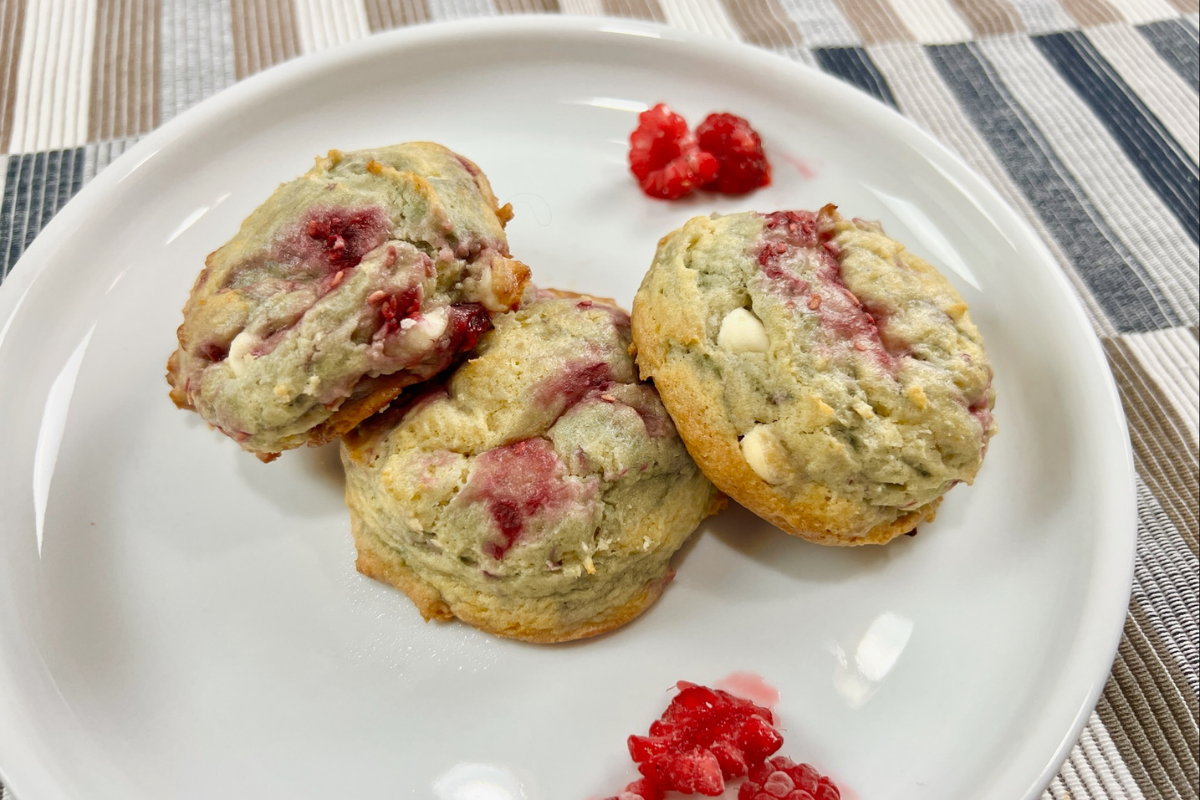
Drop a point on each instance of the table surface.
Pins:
(1084, 114)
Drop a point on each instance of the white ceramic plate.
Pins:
(178, 620)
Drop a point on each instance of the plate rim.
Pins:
(35, 260)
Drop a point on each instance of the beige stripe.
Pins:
(321, 24)
(933, 21)
(591, 8)
(1151, 721)
(54, 75)
(263, 34)
(527, 6)
(383, 15)
(764, 23)
(875, 21)
(125, 99)
(12, 28)
(639, 9)
(1186, 6)
(700, 16)
(1138, 216)
(1095, 770)
(1171, 683)
(1119, 717)
(1165, 456)
(990, 17)
(1105, 759)
(1170, 357)
(924, 97)
(1056, 790)
(1162, 89)
(1139, 12)
(1091, 12)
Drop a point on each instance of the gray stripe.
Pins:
(99, 155)
(1163, 164)
(1175, 104)
(924, 97)
(36, 186)
(197, 52)
(1176, 41)
(854, 65)
(1100, 168)
(460, 9)
(1042, 16)
(1129, 296)
(821, 23)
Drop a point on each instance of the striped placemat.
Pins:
(1082, 113)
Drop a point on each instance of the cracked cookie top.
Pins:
(540, 492)
(371, 271)
(820, 373)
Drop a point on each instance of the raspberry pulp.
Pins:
(664, 156)
(341, 237)
(516, 483)
(739, 153)
(781, 779)
(468, 321)
(640, 790)
(703, 738)
(395, 307)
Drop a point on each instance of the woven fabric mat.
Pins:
(1082, 113)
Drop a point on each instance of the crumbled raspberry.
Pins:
(664, 156)
(738, 149)
(467, 322)
(214, 351)
(641, 789)
(343, 236)
(703, 738)
(781, 779)
(395, 307)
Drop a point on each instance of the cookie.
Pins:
(540, 492)
(372, 271)
(821, 375)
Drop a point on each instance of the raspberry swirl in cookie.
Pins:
(372, 271)
(820, 373)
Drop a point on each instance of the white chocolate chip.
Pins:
(239, 352)
(742, 332)
(764, 454)
(484, 293)
(434, 323)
